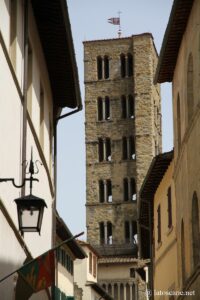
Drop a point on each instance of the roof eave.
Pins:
(172, 40)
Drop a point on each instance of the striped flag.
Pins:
(114, 21)
(39, 274)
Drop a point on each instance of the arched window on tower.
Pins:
(107, 108)
(101, 191)
(106, 67)
(133, 189)
(124, 106)
(126, 189)
(190, 88)
(109, 233)
(131, 107)
(131, 147)
(124, 148)
(101, 149)
(99, 67)
(195, 230)
(130, 64)
(102, 233)
(123, 65)
(100, 108)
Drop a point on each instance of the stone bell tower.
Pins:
(123, 133)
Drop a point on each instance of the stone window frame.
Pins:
(127, 107)
(103, 67)
(105, 191)
(103, 108)
(128, 148)
(104, 149)
(129, 189)
(126, 65)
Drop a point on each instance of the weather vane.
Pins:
(116, 21)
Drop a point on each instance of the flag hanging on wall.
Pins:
(39, 274)
(114, 21)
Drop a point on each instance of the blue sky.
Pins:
(89, 21)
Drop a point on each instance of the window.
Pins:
(90, 262)
(101, 191)
(103, 108)
(104, 149)
(109, 233)
(101, 149)
(107, 108)
(195, 230)
(106, 67)
(124, 107)
(123, 65)
(178, 112)
(131, 112)
(100, 108)
(128, 148)
(130, 232)
(158, 225)
(190, 88)
(65, 260)
(132, 273)
(130, 64)
(126, 189)
(94, 266)
(129, 189)
(126, 65)
(127, 107)
(127, 232)
(106, 233)
(102, 233)
(99, 67)
(105, 191)
(125, 148)
(13, 31)
(103, 67)
(169, 209)
(133, 189)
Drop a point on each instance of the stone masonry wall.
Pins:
(146, 127)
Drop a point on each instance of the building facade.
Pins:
(34, 87)
(66, 256)
(123, 133)
(180, 65)
(157, 220)
(85, 276)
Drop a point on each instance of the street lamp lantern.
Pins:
(30, 208)
(30, 211)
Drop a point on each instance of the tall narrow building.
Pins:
(123, 133)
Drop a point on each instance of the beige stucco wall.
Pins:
(165, 259)
(11, 117)
(187, 169)
(82, 275)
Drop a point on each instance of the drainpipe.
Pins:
(24, 128)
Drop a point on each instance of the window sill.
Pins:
(105, 162)
(104, 121)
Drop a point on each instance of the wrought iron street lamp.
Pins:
(30, 211)
(30, 208)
